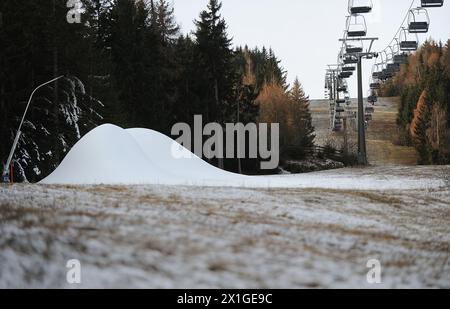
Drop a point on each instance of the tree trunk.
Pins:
(217, 116)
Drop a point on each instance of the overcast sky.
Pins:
(304, 34)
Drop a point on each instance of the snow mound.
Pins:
(110, 155)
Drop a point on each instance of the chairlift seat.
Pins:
(409, 45)
(348, 69)
(354, 50)
(432, 3)
(418, 27)
(375, 86)
(401, 59)
(360, 9)
(350, 60)
(372, 99)
(354, 34)
(393, 67)
(376, 75)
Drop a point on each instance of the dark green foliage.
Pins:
(127, 64)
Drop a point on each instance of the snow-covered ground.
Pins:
(319, 234)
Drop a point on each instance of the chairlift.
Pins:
(432, 3)
(372, 99)
(418, 21)
(376, 71)
(393, 67)
(356, 26)
(340, 109)
(375, 86)
(344, 75)
(350, 59)
(408, 42)
(370, 110)
(401, 58)
(348, 68)
(359, 6)
(340, 101)
(368, 117)
(355, 48)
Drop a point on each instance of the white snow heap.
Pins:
(111, 155)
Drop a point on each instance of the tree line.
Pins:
(127, 63)
(423, 85)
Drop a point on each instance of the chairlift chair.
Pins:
(370, 110)
(355, 48)
(375, 86)
(408, 42)
(344, 75)
(348, 68)
(401, 58)
(359, 6)
(418, 21)
(356, 26)
(432, 3)
(376, 71)
(393, 67)
(350, 59)
(372, 99)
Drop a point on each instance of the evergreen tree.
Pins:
(302, 116)
(41, 44)
(215, 60)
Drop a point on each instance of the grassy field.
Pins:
(200, 237)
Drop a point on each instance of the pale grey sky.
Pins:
(304, 34)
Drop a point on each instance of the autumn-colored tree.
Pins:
(423, 84)
(291, 110)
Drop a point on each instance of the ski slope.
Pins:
(110, 155)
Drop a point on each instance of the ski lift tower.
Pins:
(368, 54)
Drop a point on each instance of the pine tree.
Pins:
(41, 45)
(302, 116)
(215, 60)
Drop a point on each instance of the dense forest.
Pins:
(127, 63)
(423, 85)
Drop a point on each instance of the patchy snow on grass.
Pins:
(156, 236)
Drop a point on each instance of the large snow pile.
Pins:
(111, 155)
